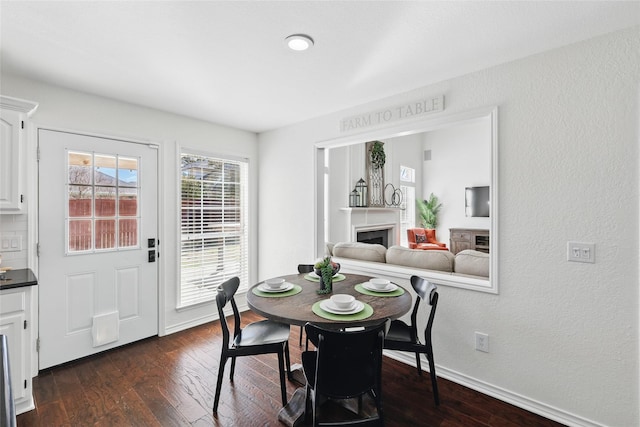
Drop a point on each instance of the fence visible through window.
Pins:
(102, 207)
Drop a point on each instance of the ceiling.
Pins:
(227, 63)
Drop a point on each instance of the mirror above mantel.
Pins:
(446, 156)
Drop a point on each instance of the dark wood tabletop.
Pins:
(296, 309)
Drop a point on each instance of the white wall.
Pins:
(460, 158)
(563, 336)
(66, 109)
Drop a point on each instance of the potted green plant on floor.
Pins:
(428, 210)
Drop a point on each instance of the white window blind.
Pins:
(214, 232)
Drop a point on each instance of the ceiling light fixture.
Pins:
(299, 42)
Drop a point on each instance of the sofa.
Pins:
(467, 262)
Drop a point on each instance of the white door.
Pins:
(98, 277)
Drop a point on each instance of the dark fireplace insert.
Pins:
(380, 237)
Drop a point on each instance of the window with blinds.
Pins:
(214, 219)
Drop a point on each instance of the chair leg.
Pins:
(307, 403)
(288, 360)
(283, 386)
(418, 365)
(301, 331)
(316, 404)
(216, 400)
(434, 378)
(377, 398)
(233, 368)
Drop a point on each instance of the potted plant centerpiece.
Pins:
(326, 269)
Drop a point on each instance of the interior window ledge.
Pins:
(370, 268)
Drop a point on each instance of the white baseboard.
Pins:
(242, 306)
(499, 393)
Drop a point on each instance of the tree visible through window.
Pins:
(214, 217)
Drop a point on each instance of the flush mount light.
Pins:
(299, 42)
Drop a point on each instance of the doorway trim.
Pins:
(33, 208)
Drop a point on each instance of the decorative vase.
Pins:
(326, 288)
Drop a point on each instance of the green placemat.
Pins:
(296, 290)
(366, 312)
(338, 277)
(364, 291)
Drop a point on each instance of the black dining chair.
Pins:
(345, 365)
(304, 268)
(404, 337)
(260, 337)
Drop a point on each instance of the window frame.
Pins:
(94, 218)
(183, 302)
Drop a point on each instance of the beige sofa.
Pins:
(467, 262)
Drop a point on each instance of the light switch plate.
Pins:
(581, 252)
(10, 243)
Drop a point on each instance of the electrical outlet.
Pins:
(482, 342)
(581, 252)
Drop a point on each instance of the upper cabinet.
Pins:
(14, 114)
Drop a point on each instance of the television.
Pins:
(476, 201)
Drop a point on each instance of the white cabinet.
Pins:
(15, 319)
(14, 114)
(11, 131)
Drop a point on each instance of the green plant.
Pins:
(429, 211)
(326, 267)
(377, 156)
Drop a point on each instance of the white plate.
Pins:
(327, 305)
(389, 288)
(283, 288)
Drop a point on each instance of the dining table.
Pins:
(298, 301)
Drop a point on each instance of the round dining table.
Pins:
(302, 303)
(296, 307)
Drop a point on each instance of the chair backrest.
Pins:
(349, 363)
(428, 235)
(226, 292)
(411, 235)
(426, 291)
(305, 268)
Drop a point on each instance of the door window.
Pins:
(102, 202)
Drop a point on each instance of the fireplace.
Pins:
(380, 237)
(369, 225)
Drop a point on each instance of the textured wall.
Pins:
(563, 336)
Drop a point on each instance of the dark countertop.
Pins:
(18, 278)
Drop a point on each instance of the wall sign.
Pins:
(405, 111)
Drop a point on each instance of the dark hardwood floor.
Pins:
(170, 381)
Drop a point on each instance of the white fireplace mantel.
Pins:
(373, 218)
